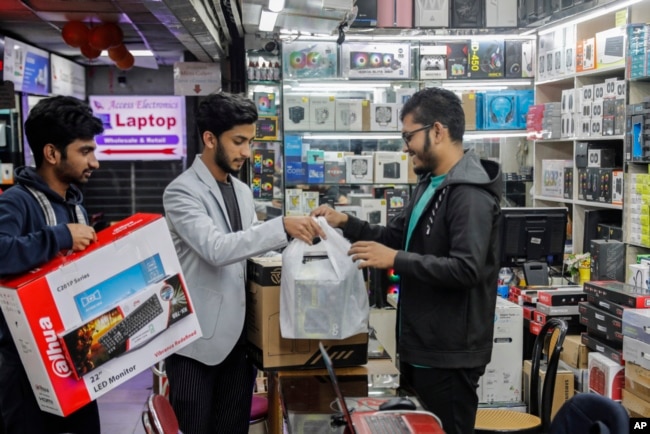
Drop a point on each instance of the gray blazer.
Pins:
(213, 257)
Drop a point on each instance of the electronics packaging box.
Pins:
(610, 47)
(269, 350)
(564, 387)
(359, 169)
(309, 201)
(265, 102)
(391, 167)
(383, 116)
(636, 351)
(349, 115)
(606, 377)
(553, 177)
(619, 292)
(574, 352)
(322, 112)
(637, 380)
(611, 350)
(636, 324)
(468, 100)
(501, 381)
(309, 59)
(132, 261)
(315, 166)
(296, 112)
(502, 13)
(396, 200)
(486, 58)
(266, 128)
(370, 61)
(334, 167)
(432, 13)
(293, 202)
(374, 211)
(529, 59)
(458, 59)
(433, 62)
(601, 323)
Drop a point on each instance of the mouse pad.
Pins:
(372, 403)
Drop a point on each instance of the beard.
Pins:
(428, 162)
(222, 161)
(66, 175)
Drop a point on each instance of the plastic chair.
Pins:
(591, 413)
(538, 418)
(259, 409)
(161, 416)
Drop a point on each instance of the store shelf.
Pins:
(597, 204)
(553, 199)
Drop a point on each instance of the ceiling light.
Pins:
(267, 20)
(276, 5)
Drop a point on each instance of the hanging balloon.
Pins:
(126, 63)
(75, 33)
(116, 36)
(118, 53)
(90, 52)
(100, 37)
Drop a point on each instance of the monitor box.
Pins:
(574, 352)
(564, 386)
(606, 377)
(501, 381)
(267, 347)
(296, 112)
(131, 261)
(391, 167)
(359, 169)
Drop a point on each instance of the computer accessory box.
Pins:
(396, 199)
(349, 115)
(391, 167)
(310, 201)
(467, 14)
(264, 161)
(618, 292)
(375, 61)
(433, 62)
(486, 58)
(500, 110)
(635, 350)
(266, 346)
(598, 344)
(610, 47)
(315, 166)
(266, 128)
(636, 323)
(568, 183)
(374, 211)
(606, 377)
(383, 116)
(296, 113)
(68, 292)
(265, 103)
(458, 59)
(359, 169)
(601, 322)
(561, 298)
(322, 113)
(366, 13)
(607, 260)
(334, 167)
(501, 13)
(431, 13)
(529, 59)
(309, 59)
(293, 202)
(514, 67)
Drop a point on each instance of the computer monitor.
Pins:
(533, 237)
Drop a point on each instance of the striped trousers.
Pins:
(211, 399)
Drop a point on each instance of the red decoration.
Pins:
(126, 63)
(75, 33)
(118, 53)
(90, 52)
(104, 36)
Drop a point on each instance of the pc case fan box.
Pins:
(309, 59)
(103, 315)
(269, 350)
(368, 61)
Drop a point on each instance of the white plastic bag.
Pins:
(322, 293)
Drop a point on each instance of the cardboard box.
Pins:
(391, 167)
(636, 406)
(131, 262)
(359, 169)
(606, 377)
(637, 380)
(296, 112)
(267, 347)
(636, 351)
(564, 387)
(574, 352)
(502, 379)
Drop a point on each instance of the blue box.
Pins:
(295, 172)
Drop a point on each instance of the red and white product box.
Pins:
(606, 377)
(87, 322)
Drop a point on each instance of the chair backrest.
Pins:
(592, 413)
(557, 329)
(162, 415)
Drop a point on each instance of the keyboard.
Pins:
(387, 424)
(114, 339)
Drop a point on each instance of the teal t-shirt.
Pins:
(435, 181)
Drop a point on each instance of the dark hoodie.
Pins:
(26, 241)
(449, 271)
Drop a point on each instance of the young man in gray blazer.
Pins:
(211, 216)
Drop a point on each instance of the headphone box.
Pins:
(349, 115)
(486, 58)
(296, 112)
(528, 59)
(500, 110)
(514, 67)
(322, 111)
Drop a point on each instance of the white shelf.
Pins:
(597, 204)
(553, 199)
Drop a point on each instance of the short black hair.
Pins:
(435, 104)
(220, 112)
(59, 120)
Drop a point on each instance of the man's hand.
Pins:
(303, 228)
(334, 218)
(82, 236)
(373, 254)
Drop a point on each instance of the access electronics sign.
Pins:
(140, 127)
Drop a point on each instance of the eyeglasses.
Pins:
(407, 135)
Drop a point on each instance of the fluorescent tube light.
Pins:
(267, 20)
(276, 5)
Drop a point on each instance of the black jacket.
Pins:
(449, 272)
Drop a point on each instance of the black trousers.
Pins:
(212, 399)
(449, 393)
(20, 412)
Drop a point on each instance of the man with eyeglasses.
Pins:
(444, 247)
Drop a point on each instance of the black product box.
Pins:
(609, 349)
(582, 151)
(607, 305)
(607, 260)
(605, 177)
(618, 292)
(561, 298)
(604, 323)
(366, 14)
(571, 320)
(486, 59)
(568, 183)
(264, 161)
(457, 59)
(589, 184)
(266, 273)
(607, 231)
(467, 14)
(513, 58)
(396, 200)
(603, 158)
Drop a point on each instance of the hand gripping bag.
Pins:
(322, 293)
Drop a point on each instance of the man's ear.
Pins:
(209, 140)
(49, 153)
